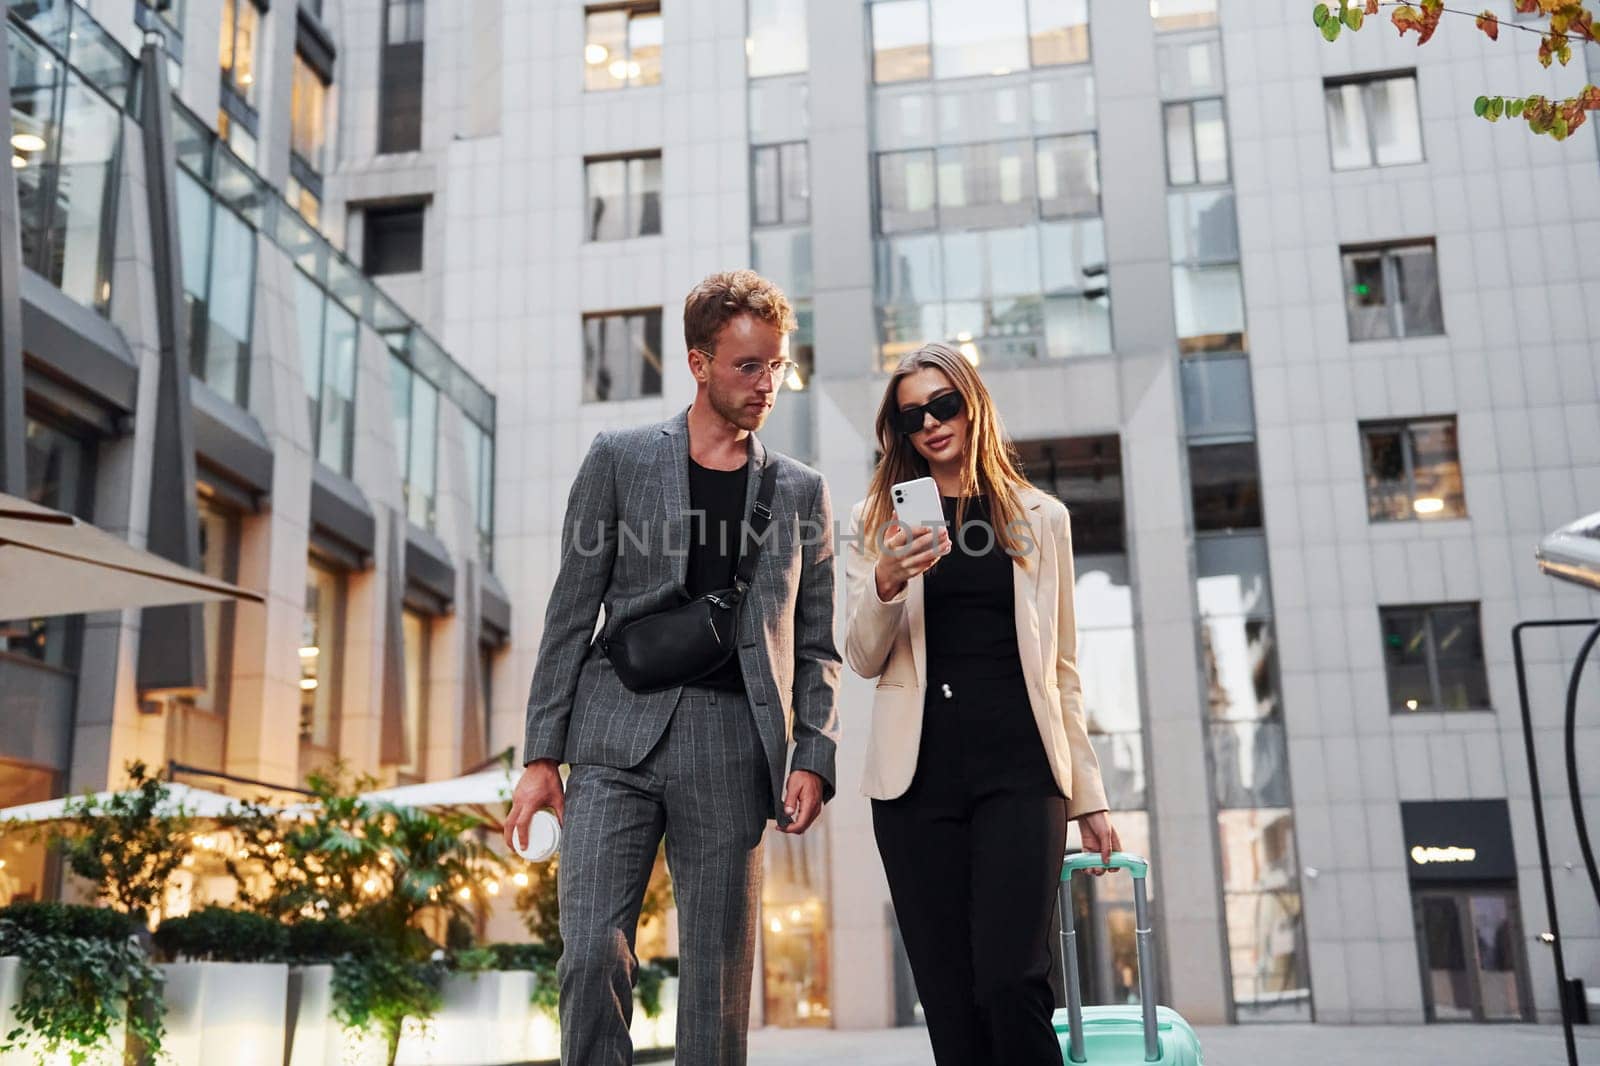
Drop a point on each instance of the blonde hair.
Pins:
(991, 465)
(724, 296)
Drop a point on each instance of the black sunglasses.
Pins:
(943, 408)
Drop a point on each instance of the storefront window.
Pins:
(416, 628)
(795, 916)
(25, 872)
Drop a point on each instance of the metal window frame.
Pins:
(776, 149)
(629, 223)
(1367, 82)
(1188, 104)
(633, 8)
(622, 314)
(933, 74)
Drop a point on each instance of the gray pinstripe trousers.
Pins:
(705, 786)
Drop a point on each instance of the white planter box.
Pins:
(109, 1054)
(229, 1012)
(313, 1036)
(483, 1021)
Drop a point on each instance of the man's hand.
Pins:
(802, 801)
(1099, 835)
(540, 787)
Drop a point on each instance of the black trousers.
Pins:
(973, 855)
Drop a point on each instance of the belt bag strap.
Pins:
(760, 518)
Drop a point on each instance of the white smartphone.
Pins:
(917, 503)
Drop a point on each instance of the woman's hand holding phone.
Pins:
(904, 558)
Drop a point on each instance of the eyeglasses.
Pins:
(908, 420)
(751, 369)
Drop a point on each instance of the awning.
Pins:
(180, 800)
(486, 793)
(1572, 552)
(53, 563)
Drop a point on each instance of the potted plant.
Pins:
(83, 985)
(369, 881)
(225, 976)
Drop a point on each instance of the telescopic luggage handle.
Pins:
(1139, 868)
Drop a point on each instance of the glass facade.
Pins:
(308, 115)
(918, 39)
(417, 629)
(328, 335)
(1374, 122)
(66, 142)
(1433, 658)
(219, 262)
(241, 33)
(416, 421)
(1244, 714)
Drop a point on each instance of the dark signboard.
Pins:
(1458, 840)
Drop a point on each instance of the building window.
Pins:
(1225, 483)
(480, 486)
(1433, 656)
(1183, 14)
(327, 335)
(416, 629)
(622, 47)
(1373, 121)
(1068, 176)
(917, 39)
(393, 239)
(1197, 143)
(624, 196)
(322, 626)
(621, 356)
(219, 254)
(400, 78)
(1413, 470)
(780, 182)
(1058, 32)
(1085, 473)
(901, 41)
(1392, 290)
(308, 115)
(416, 420)
(241, 32)
(777, 38)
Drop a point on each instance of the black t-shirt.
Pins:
(970, 603)
(716, 519)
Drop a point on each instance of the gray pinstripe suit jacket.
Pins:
(623, 546)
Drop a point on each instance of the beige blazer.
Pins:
(887, 640)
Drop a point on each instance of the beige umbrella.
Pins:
(486, 793)
(52, 563)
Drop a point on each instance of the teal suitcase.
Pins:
(1118, 1035)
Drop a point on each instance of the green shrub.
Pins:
(69, 919)
(217, 934)
(75, 989)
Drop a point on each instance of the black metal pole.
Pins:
(175, 767)
(1573, 791)
(1538, 820)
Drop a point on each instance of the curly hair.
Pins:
(723, 296)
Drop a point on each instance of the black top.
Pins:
(716, 518)
(969, 602)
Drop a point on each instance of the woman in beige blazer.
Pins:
(978, 756)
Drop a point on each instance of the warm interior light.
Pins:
(310, 651)
(776, 926)
(465, 893)
(492, 887)
(308, 683)
(794, 380)
(17, 162)
(27, 142)
(595, 54)
(1411, 705)
(520, 880)
(1427, 505)
(970, 350)
(619, 69)
(370, 886)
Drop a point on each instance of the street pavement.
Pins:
(1261, 1045)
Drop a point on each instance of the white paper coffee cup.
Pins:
(544, 838)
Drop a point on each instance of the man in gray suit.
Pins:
(655, 513)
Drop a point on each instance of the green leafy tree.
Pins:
(1562, 24)
(129, 845)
